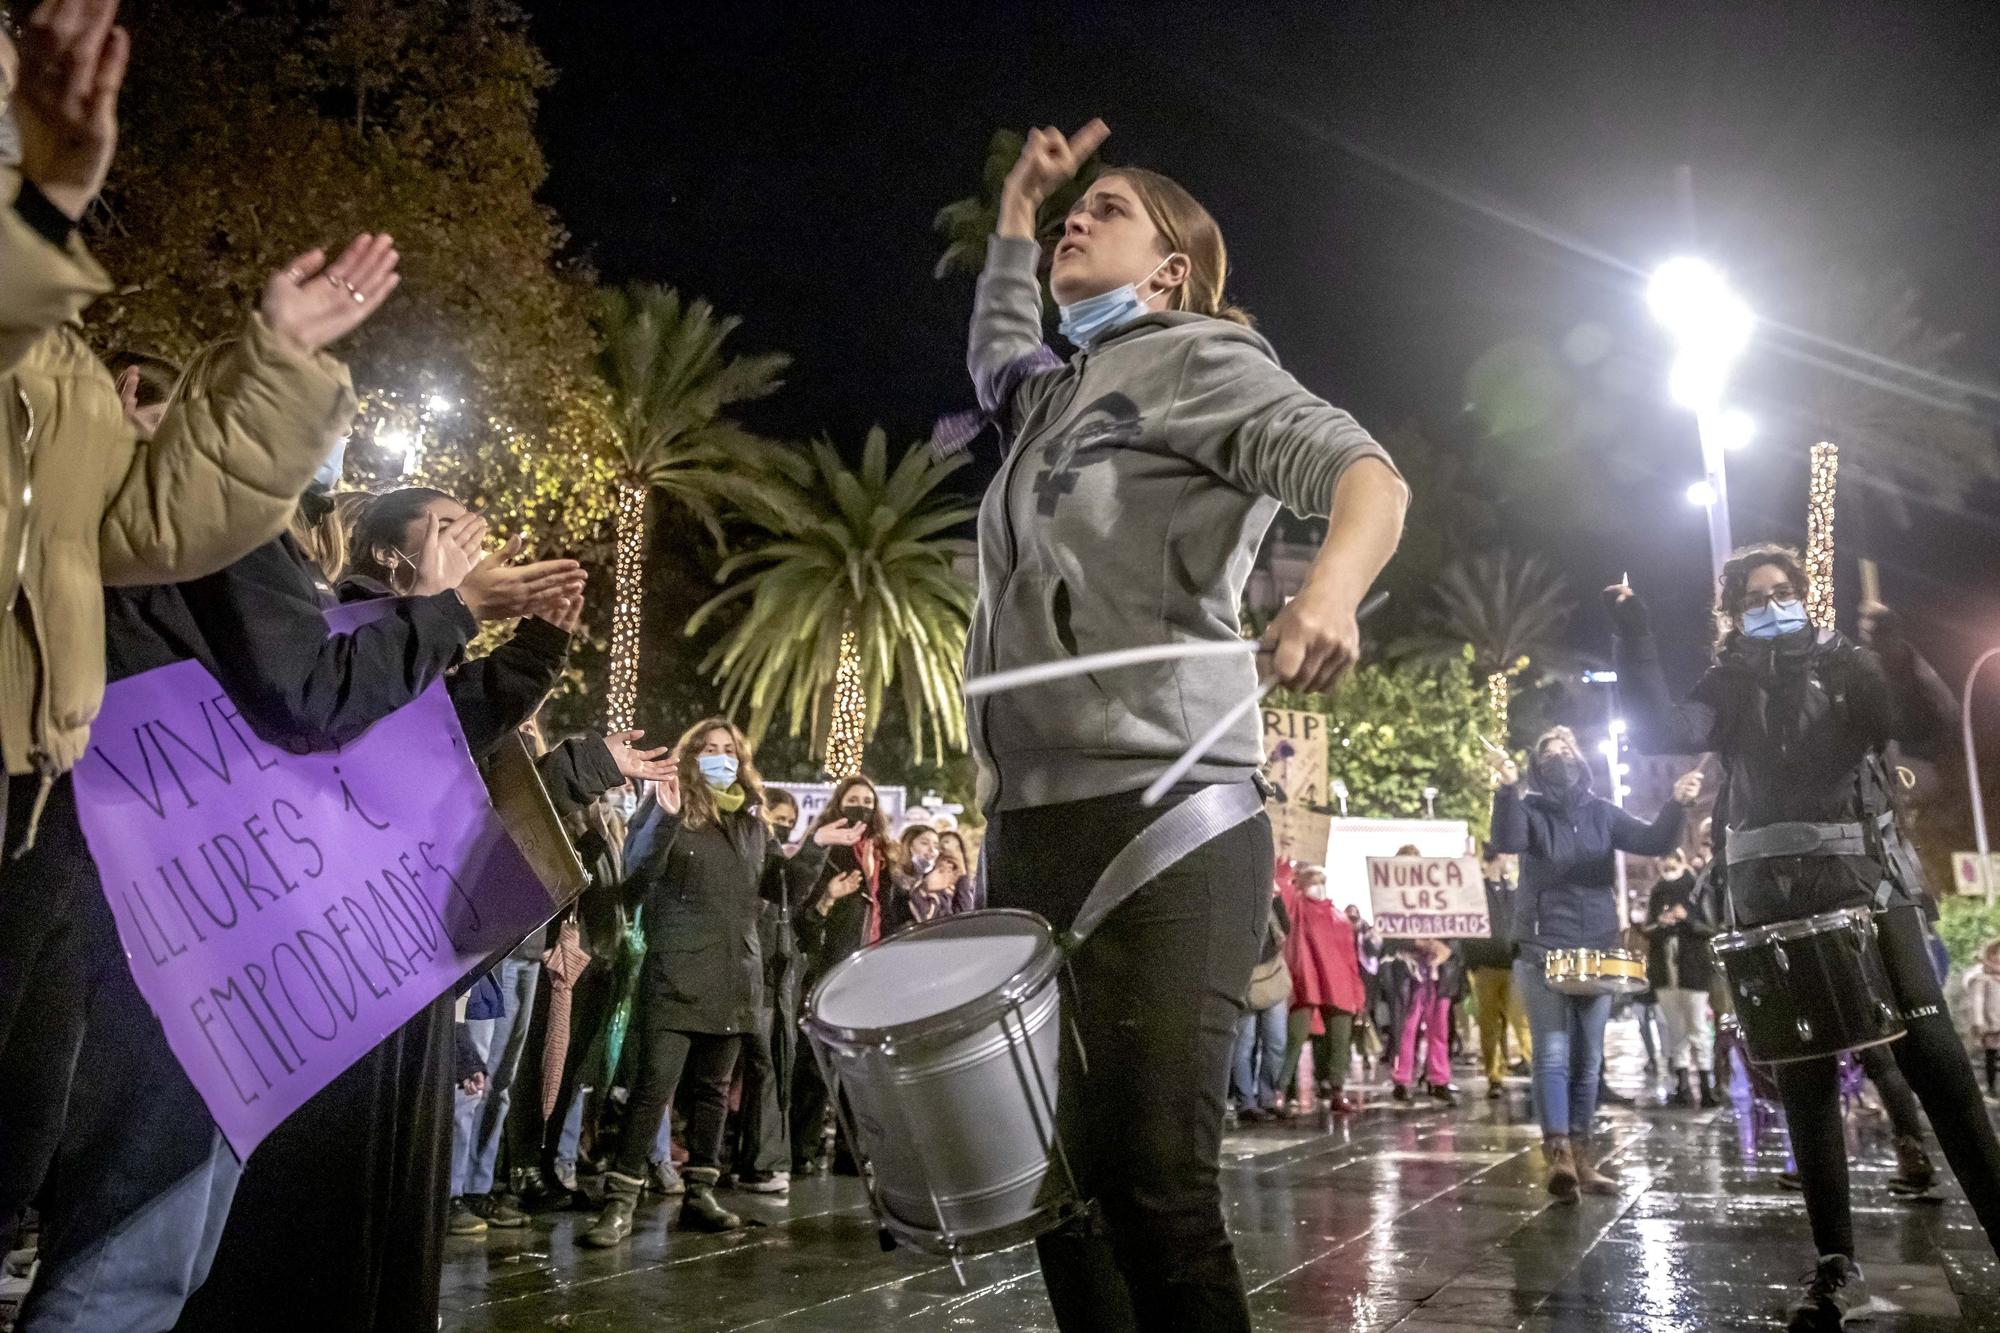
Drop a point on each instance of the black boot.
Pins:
(1683, 1093)
(621, 1200)
(699, 1210)
(1709, 1101)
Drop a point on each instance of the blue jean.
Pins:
(572, 1133)
(465, 1107)
(508, 1039)
(142, 1181)
(1569, 1049)
(1260, 1051)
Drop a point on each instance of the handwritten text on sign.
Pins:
(1428, 897)
(284, 913)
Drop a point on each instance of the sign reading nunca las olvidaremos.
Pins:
(1428, 897)
(283, 913)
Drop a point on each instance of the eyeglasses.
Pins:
(1757, 601)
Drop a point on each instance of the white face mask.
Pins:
(1319, 892)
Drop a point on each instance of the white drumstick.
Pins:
(1164, 783)
(998, 682)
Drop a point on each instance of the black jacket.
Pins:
(1798, 724)
(1496, 950)
(702, 891)
(1677, 956)
(827, 940)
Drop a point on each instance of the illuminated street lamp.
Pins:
(1710, 326)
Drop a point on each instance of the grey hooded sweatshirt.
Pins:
(1139, 484)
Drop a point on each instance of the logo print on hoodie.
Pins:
(1111, 421)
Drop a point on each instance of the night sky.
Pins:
(1398, 184)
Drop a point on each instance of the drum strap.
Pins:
(1799, 840)
(1202, 817)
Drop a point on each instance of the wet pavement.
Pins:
(1417, 1218)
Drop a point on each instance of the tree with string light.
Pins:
(860, 592)
(671, 387)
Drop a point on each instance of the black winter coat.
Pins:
(1798, 724)
(702, 891)
(1677, 956)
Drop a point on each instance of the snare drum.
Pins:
(940, 1045)
(1810, 988)
(1595, 972)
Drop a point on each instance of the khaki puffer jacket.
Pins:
(83, 502)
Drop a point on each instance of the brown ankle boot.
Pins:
(1589, 1173)
(1561, 1159)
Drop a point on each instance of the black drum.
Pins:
(1810, 988)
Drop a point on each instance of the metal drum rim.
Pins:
(974, 1014)
(1795, 929)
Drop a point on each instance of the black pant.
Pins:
(708, 1059)
(1155, 996)
(1992, 1069)
(763, 1140)
(56, 935)
(1939, 1072)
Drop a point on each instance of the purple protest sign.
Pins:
(284, 913)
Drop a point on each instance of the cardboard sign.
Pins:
(1295, 755)
(1300, 834)
(1428, 897)
(284, 913)
(1965, 871)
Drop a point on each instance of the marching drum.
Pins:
(1595, 972)
(1810, 988)
(940, 1046)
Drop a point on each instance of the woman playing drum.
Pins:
(1799, 717)
(1568, 840)
(1143, 474)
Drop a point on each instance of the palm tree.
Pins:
(671, 385)
(1511, 610)
(966, 223)
(1871, 376)
(844, 602)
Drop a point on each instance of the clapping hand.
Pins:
(840, 833)
(497, 589)
(311, 303)
(636, 764)
(841, 886)
(442, 561)
(72, 64)
(670, 791)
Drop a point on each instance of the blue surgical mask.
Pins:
(1082, 322)
(1774, 620)
(330, 470)
(718, 769)
(10, 137)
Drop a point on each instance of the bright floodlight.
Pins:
(1710, 323)
(395, 440)
(1608, 748)
(1701, 494)
(1735, 429)
(438, 404)
(1618, 726)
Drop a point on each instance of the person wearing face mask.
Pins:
(1678, 964)
(1143, 474)
(759, 1135)
(1799, 718)
(1568, 839)
(845, 912)
(701, 862)
(1326, 989)
(1490, 962)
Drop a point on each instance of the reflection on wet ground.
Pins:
(1416, 1218)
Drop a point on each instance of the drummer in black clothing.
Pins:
(1798, 718)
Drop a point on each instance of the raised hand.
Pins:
(72, 58)
(442, 563)
(636, 764)
(840, 833)
(1687, 788)
(841, 886)
(1047, 160)
(670, 791)
(313, 303)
